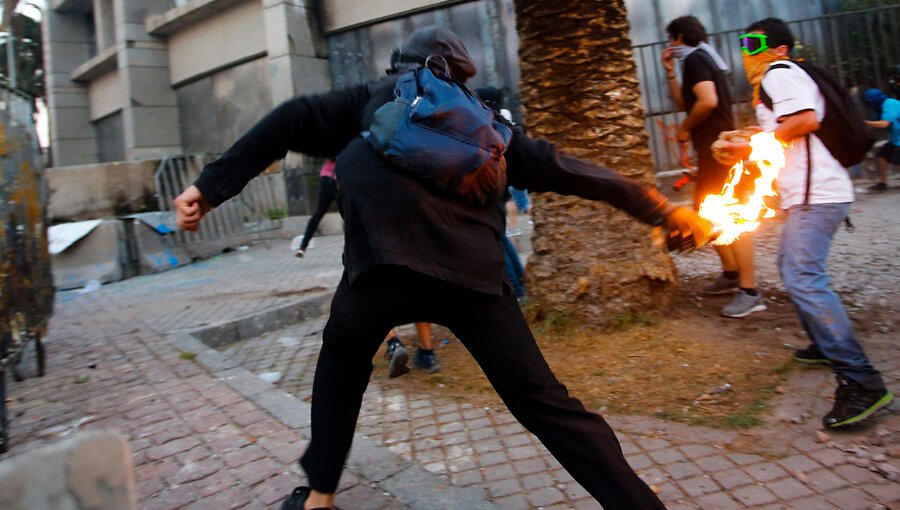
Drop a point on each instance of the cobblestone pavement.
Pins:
(207, 434)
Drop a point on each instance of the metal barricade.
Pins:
(857, 46)
(260, 207)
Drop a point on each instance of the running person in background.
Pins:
(705, 97)
(888, 111)
(327, 194)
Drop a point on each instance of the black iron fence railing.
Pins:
(862, 49)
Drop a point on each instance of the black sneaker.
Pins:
(878, 186)
(296, 500)
(397, 357)
(427, 361)
(811, 356)
(854, 403)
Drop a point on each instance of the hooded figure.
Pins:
(413, 256)
(437, 47)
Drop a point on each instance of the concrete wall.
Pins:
(342, 14)
(226, 37)
(216, 109)
(88, 471)
(68, 43)
(100, 190)
(150, 116)
(106, 95)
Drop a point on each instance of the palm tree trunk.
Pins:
(579, 87)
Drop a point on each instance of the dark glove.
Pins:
(686, 230)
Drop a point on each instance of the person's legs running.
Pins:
(802, 260)
(496, 334)
(748, 299)
(327, 194)
(425, 357)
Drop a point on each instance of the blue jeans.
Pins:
(520, 198)
(514, 269)
(802, 261)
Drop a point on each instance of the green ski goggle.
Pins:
(751, 44)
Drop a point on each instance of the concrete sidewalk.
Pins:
(139, 356)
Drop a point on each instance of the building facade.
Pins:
(142, 79)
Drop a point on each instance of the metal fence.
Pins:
(258, 208)
(859, 47)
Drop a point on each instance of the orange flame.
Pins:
(730, 217)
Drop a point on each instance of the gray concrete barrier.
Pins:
(89, 471)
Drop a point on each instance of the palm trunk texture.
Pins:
(592, 264)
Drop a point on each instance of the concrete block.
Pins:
(290, 30)
(75, 98)
(99, 190)
(149, 86)
(153, 252)
(65, 27)
(417, 488)
(74, 151)
(148, 57)
(311, 75)
(66, 56)
(153, 126)
(89, 471)
(100, 255)
(73, 121)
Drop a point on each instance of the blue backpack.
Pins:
(439, 133)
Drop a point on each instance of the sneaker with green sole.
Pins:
(811, 356)
(854, 403)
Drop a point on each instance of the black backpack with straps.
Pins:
(843, 129)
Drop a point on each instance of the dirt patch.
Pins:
(692, 366)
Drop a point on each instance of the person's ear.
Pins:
(782, 51)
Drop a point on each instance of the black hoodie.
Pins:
(389, 218)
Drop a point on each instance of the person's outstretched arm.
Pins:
(319, 125)
(539, 166)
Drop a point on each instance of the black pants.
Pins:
(494, 331)
(327, 193)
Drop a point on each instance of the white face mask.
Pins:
(682, 51)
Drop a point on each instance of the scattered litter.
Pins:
(720, 389)
(65, 428)
(242, 247)
(90, 286)
(822, 437)
(270, 377)
(288, 342)
(82, 379)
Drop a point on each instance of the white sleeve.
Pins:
(791, 91)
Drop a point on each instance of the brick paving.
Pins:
(205, 433)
